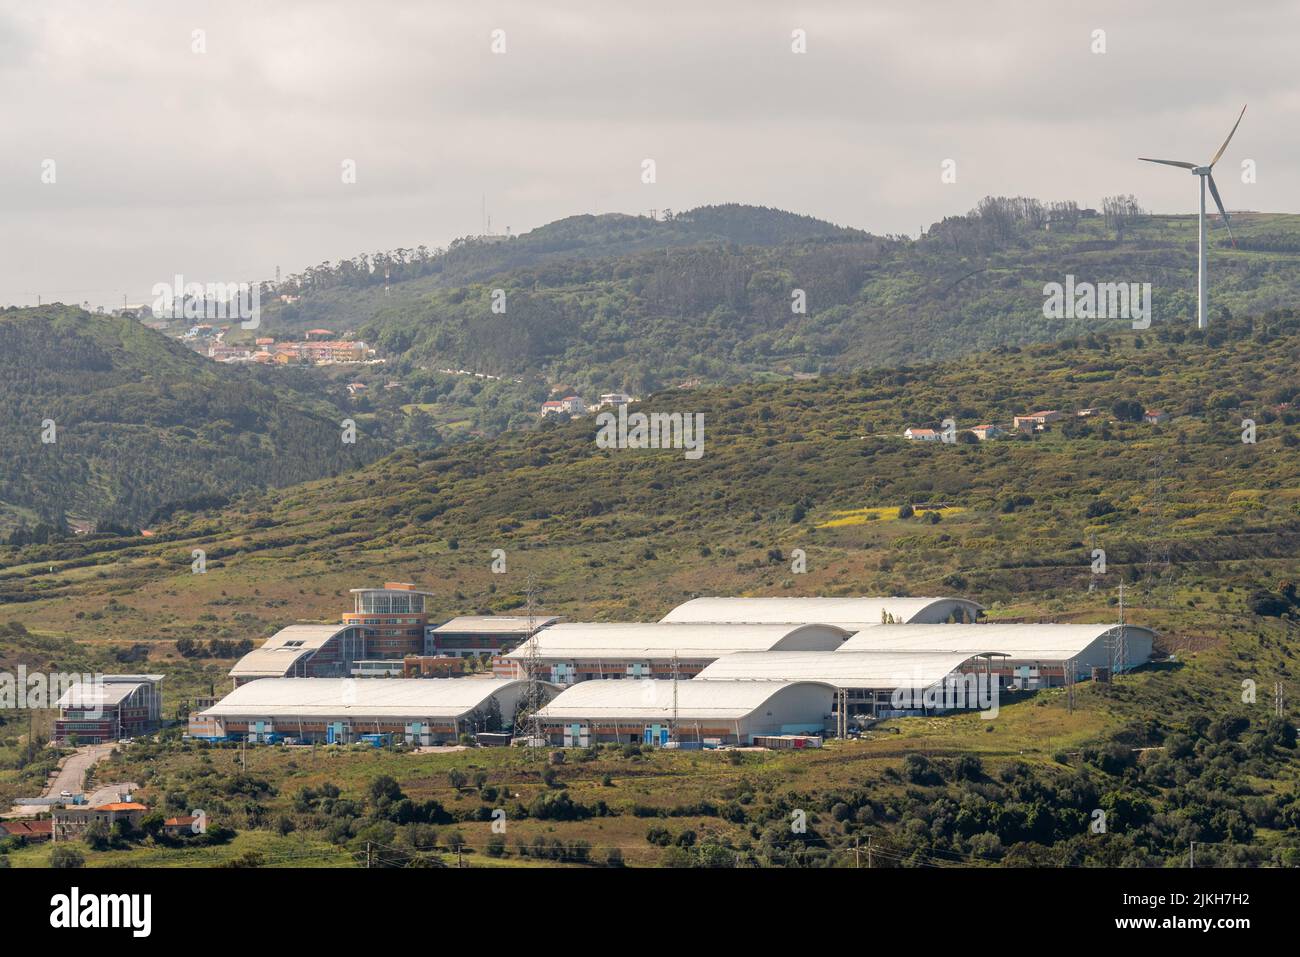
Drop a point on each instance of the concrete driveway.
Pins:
(71, 776)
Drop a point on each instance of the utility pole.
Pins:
(1191, 856)
(857, 854)
(869, 852)
(367, 855)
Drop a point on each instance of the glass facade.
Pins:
(382, 602)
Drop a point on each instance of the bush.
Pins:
(66, 857)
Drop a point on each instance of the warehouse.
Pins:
(698, 712)
(420, 711)
(573, 652)
(851, 613)
(1037, 655)
(870, 680)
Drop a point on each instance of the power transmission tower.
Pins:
(1278, 699)
(672, 726)
(1119, 643)
(528, 721)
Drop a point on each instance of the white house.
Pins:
(922, 435)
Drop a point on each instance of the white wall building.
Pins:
(721, 712)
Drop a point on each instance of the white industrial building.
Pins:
(706, 712)
(572, 652)
(870, 680)
(851, 613)
(342, 710)
(1036, 655)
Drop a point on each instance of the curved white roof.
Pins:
(651, 698)
(878, 670)
(324, 698)
(833, 611)
(495, 624)
(1024, 641)
(282, 650)
(617, 641)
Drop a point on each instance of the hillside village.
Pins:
(1027, 424)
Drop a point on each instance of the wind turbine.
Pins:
(1204, 172)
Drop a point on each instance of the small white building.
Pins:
(922, 435)
(987, 431)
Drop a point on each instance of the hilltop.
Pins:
(603, 303)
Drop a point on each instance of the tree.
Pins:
(1128, 410)
(66, 857)
(96, 836)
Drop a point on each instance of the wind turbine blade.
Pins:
(1214, 191)
(1178, 163)
(1229, 139)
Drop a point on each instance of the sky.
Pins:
(137, 149)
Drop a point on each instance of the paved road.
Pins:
(112, 792)
(71, 776)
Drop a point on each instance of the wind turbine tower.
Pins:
(1207, 179)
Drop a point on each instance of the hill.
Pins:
(141, 424)
(1185, 510)
(615, 302)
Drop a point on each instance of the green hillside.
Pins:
(629, 533)
(1201, 529)
(141, 423)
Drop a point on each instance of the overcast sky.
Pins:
(223, 164)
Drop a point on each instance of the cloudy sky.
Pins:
(221, 165)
